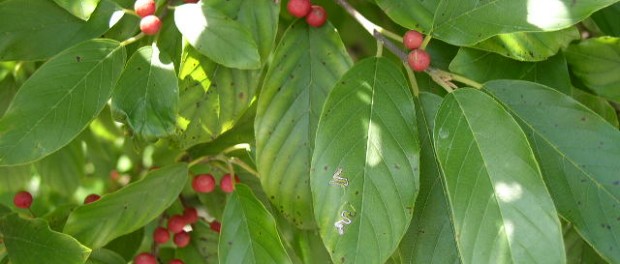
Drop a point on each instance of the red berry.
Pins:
(181, 239)
(317, 16)
(190, 214)
(176, 261)
(91, 198)
(144, 7)
(150, 25)
(145, 258)
(204, 183)
(299, 8)
(23, 199)
(215, 226)
(413, 39)
(176, 224)
(418, 60)
(161, 235)
(226, 183)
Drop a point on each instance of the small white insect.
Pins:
(342, 222)
(337, 180)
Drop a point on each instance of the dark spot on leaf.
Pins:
(583, 119)
(272, 197)
(230, 243)
(616, 182)
(241, 95)
(139, 68)
(78, 58)
(396, 166)
(342, 260)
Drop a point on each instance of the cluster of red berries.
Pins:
(150, 23)
(205, 183)
(315, 15)
(418, 59)
(147, 258)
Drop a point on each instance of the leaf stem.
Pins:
(367, 24)
(414, 84)
(427, 39)
(132, 39)
(243, 165)
(379, 49)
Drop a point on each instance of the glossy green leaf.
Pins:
(59, 100)
(57, 218)
(104, 256)
(365, 167)
(127, 209)
(596, 62)
(81, 9)
(307, 63)
(31, 241)
(215, 35)
(8, 89)
(44, 34)
(430, 238)
(608, 20)
(249, 233)
(482, 66)
(147, 94)
(529, 46)
(497, 196)
(597, 104)
(62, 170)
(212, 98)
(259, 16)
(578, 153)
(468, 22)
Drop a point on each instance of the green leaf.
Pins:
(597, 104)
(497, 196)
(31, 241)
(147, 94)
(222, 39)
(430, 238)
(259, 16)
(365, 166)
(529, 46)
(104, 256)
(249, 233)
(578, 153)
(483, 66)
(203, 245)
(471, 21)
(596, 62)
(45, 34)
(14, 178)
(212, 98)
(577, 250)
(608, 20)
(127, 209)
(59, 100)
(307, 63)
(127, 245)
(81, 9)
(62, 170)
(8, 89)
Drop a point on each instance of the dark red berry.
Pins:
(145, 258)
(23, 199)
(144, 7)
(203, 183)
(176, 224)
(91, 198)
(418, 60)
(413, 39)
(161, 235)
(191, 215)
(181, 239)
(226, 183)
(150, 25)
(215, 226)
(317, 16)
(299, 8)
(176, 261)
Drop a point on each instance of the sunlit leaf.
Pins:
(81, 9)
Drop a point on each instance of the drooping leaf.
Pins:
(31, 241)
(105, 256)
(81, 9)
(578, 153)
(147, 94)
(597, 104)
(127, 209)
(307, 63)
(31, 34)
(365, 165)
(471, 21)
(62, 170)
(430, 237)
(249, 233)
(596, 62)
(496, 193)
(608, 20)
(529, 46)
(483, 66)
(59, 100)
(215, 35)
